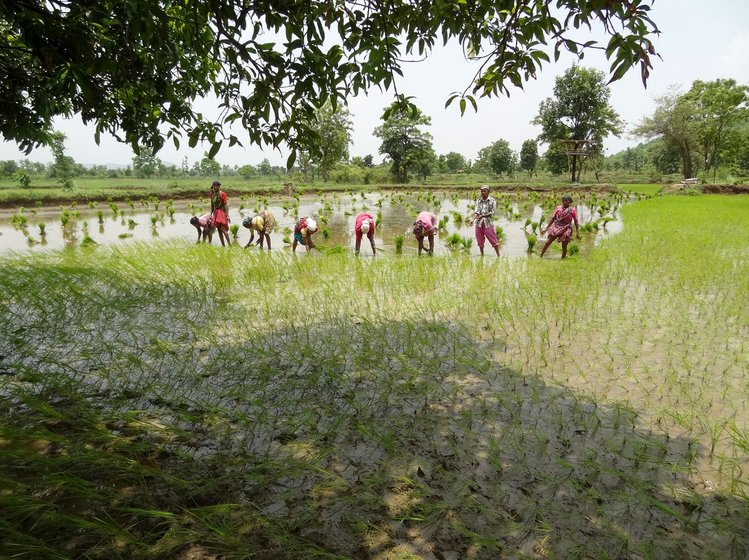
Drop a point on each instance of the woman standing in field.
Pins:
(425, 226)
(483, 218)
(263, 224)
(220, 212)
(303, 230)
(364, 224)
(560, 225)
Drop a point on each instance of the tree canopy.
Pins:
(497, 158)
(529, 156)
(579, 113)
(134, 68)
(333, 127)
(700, 124)
(408, 147)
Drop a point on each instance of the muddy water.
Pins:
(147, 222)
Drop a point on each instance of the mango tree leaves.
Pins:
(135, 68)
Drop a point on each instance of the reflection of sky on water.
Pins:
(339, 209)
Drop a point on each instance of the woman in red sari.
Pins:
(220, 212)
(560, 225)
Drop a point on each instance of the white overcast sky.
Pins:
(699, 41)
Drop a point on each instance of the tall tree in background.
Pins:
(672, 121)
(556, 160)
(145, 163)
(63, 167)
(529, 156)
(718, 107)
(333, 128)
(497, 158)
(453, 161)
(407, 146)
(134, 68)
(579, 111)
(209, 167)
(701, 124)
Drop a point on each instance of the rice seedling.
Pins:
(42, 229)
(154, 220)
(19, 221)
(100, 216)
(466, 243)
(453, 241)
(532, 240)
(87, 241)
(325, 233)
(234, 230)
(131, 223)
(398, 241)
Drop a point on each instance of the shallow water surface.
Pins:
(122, 222)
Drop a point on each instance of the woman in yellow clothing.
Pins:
(263, 224)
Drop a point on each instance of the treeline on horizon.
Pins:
(702, 133)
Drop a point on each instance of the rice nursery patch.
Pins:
(171, 400)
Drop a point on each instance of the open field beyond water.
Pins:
(183, 401)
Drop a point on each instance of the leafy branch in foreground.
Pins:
(136, 67)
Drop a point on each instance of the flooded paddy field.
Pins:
(176, 400)
(123, 223)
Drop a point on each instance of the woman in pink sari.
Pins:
(560, 225)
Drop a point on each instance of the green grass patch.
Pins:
(647, 189)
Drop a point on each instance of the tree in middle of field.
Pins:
(497, 158)
(333, 129)
(408, 147)
(579, 111)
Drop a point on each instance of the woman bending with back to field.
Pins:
(425, 226)
(560, 225)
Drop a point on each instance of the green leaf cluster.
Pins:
(134, 68)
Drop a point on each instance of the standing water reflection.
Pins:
(518, 216)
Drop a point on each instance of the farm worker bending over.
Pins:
(263, 224)
(205, 227)
(364, 224)
(220, 212)
(303, 230)
(483, 218)
(425, 226)
(560, 225)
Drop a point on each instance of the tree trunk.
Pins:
(686, 159)
(574, 169)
